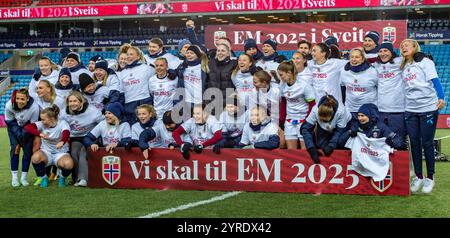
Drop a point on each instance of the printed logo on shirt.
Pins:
(385, 184)
(410, 77)
(386, 75)
(320, 75)
(356, 88)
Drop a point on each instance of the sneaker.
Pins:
(24, 182)
(81, 183)
(428, 185)
(416, 183)
(15, 183)
(38, 181)
(61, 182)
(44, 182)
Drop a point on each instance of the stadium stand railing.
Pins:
(428, 24)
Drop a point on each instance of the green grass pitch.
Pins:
(109, 203)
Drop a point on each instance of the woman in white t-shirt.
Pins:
(326, 72)
(203, 129)
(54, 149)
(242, 77)
(300, 99)
(360, 81)
(113, 131)
(424, 97)
(47, 71)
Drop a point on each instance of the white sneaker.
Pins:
(15, 183)
(24, 182)
(416, 183)
(428, 185)
(81, 183)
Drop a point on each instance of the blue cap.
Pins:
(375, 36)
(370, 110)
(101, 64)
(116, 109)
(65, 71)
(182, 43)
(272, 43)
(387, 45)
(250, 43)
(331, 40)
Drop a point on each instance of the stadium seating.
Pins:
(15, 3)
(428, 24)
(19, 81)
(4, 57)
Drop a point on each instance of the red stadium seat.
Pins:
(15, 3)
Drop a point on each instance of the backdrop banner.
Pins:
(287, 35)
(243, 170)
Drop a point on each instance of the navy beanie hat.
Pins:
(96, 58)
(64, 52)
(370, 110)
(196, 50)
(250, 43)
(387, 45)
(182, 43)
(272, 43)
(65, 71)
(116, 109)
(74, 56)
(85, 80)
(331, 40)
(375, 36)
(101, 64)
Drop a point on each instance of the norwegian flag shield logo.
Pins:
(111, 169)
(390, 34)
(386, 183)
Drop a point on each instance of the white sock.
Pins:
(24, 176)
(14, 175)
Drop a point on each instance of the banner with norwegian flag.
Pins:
(243, 170)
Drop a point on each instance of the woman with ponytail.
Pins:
(242, 78)
(55, 135)
(192, 76)
(300, 99)
(424, 99)
(134, 81)
(47, 70)
(331, 120)
(82, 118)
(47, 96)
(360, 80)
(326, 72)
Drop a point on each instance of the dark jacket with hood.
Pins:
(374, 128)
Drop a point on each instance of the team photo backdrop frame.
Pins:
(243, 170)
